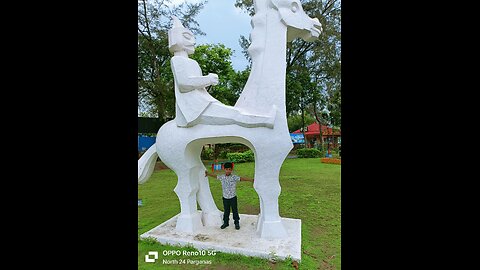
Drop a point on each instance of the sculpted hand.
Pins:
(214, 78)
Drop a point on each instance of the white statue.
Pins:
(194, 105)
(179, 143)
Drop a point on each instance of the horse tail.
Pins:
(146, 164)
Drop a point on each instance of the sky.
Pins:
(223, 23)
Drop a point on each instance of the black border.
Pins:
(398, 90)
(76, 142)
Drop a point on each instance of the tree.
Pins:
(216, 59)
(295, 122)
(155, 78)
(237, 82)
(324, 61)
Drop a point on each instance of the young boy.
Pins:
(229, 187)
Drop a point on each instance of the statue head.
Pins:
(299, 24)
(180, 38)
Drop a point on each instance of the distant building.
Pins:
(312, 134)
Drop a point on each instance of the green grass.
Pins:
(310, 192)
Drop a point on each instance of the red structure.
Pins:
(312, 135)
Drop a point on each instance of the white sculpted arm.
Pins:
(187, 82)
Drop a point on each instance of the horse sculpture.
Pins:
(275, 22)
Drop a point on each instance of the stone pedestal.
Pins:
(229, 240)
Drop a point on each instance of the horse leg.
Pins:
(211, 216)
(187, 187)
(267, 186)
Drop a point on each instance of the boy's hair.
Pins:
(227, 165)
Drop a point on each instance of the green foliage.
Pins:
(309, 153)
(240, 157)
(215, 58)
(246, 5)
(236, 83)
(207, 154)
(295, 121)
(224, 148)
(223, 154)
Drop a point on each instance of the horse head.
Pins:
(299, 24)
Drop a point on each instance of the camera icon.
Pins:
(155, 256)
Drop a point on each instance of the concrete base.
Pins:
(244, 241)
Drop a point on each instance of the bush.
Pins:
(241, 157)
(207, 153)
(309, 153)
(223, 154)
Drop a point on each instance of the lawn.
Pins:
(310, 192)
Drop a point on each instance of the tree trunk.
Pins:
(319, 125)
(303, 128)
(160, 102)
(215, 151)
(160, 115)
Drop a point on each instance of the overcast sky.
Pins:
(223, 23)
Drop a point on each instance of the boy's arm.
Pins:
(246, 179)
(210, 174)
